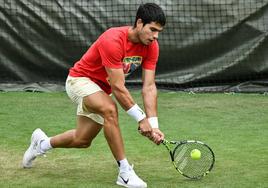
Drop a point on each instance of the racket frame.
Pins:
(168, 144)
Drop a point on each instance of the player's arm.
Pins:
(121, 93)
(149, 94)
(123, 96)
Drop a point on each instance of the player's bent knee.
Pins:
(82, 143)
(110, 111)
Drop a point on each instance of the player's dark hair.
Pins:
(150, 12)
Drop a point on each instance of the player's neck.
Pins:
(133, 35)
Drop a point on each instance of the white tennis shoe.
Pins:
(128, 178)
(34, 149)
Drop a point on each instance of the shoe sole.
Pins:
(24, 165)
(128, 186)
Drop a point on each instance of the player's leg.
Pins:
(81, 137)
(106, 107)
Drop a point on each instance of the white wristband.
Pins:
(153, 122)
(136, 112)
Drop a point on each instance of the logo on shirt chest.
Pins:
(131, 63)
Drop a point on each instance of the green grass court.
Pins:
(234, 125)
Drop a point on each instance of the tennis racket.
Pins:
(185, 163)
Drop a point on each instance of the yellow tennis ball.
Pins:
(195, 154)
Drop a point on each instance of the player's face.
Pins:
(149, 32)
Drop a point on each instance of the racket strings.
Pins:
(193, 168)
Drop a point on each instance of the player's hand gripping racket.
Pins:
(192, 159)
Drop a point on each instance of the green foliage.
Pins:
(235, 126)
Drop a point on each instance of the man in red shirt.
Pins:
(101, 72)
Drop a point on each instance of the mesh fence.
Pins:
(210, 44)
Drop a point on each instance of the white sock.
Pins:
(123, 164)
(45, 145)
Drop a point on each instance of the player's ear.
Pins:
(139, 23)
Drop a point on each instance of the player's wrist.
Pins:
(136, 113)
(153, 121)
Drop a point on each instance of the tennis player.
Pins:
(101, 72)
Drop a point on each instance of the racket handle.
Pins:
(164, 141)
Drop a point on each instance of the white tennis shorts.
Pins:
(79, 87)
